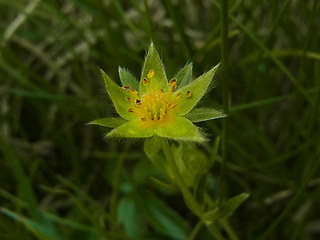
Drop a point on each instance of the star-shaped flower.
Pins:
(156, 106)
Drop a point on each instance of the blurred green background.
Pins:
(60, 179)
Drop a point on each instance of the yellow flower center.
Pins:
(154, 107)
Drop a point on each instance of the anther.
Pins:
(174, 87)
(172, 105)
(138, 101)
(134, 91)
(161, 90)
(130, 110)
(128, 99)
(150, 74)
(178, 96)
(145, 82)
(143, 119)
(189, 94)
(126, 87)
(173, 82)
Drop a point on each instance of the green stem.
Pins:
(188, 197)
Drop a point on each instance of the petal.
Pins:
(184, 75)
(204, 114)
(127, 79)
(118, 96)
(197, 89)
(131, 129)
(180, 129)
(108, 122)
(153, 62)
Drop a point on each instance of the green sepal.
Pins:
(191, 163)
(152, 146)
(108, 122)
(127, 79)
(180, 129)
(197, 88)
(226, 209)
(204, 114)
(118, 96)
(184, 75)
(131, 129)
(153, 62)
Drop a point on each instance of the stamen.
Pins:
(189, 94)
(145, 82)
(174, 87)
(126, 88)
(173, 82)
(150, 74)
(138, 101)
(128, 99)
(135, 92)
(143, 119)
(178, 96)
(130, 110)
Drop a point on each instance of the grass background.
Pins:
(61, 180)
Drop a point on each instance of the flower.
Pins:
(156, 106)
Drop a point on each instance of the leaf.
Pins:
(152, 146)
(153, 62)
(184, 75)
(131, 129)
(118, 96)
(226, 209)
(163, 218)
(127, 79)
(163, 185)
(108, 122)
(204, 114)
(180, 129)
(231, 205)
(197, 89)
(42, 232)
(128, 216)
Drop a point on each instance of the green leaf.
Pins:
(166, 186)
(226, 209)
(204, 114)
(131, 129)
(127, 79)
(108, 122)
(184, 75)
(180, 129)
(152, 146)
(163, 218)
(118, 96)
(128, 216)
(153, 62)
(197, 89)
(231, 205)
(41, 232)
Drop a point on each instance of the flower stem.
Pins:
(188, 197)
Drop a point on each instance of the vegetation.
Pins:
(61, 179)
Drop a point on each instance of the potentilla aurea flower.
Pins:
(156, 106)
